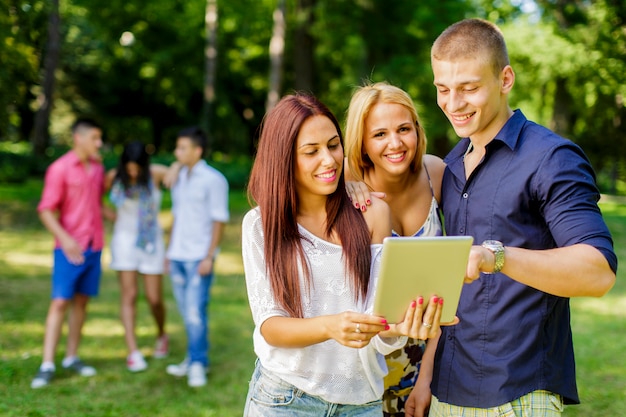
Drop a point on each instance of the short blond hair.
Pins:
(469, 39)
(361, 103)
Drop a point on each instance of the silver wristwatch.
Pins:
(497, 248)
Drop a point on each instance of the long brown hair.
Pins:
(272, 186)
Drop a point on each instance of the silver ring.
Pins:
(428, 326)
(358, 328)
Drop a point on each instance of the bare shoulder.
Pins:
(435, 165)
(436, 168)
(378, 219)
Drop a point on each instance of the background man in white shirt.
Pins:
(200, 210)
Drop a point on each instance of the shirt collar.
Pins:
(73, 157)
(510, 132)
(185, 169)
(75, 160)
(509, 135)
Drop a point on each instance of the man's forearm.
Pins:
(216, 238)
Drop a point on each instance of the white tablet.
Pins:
(412, 266)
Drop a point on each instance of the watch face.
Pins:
(498, 250)
(493, 243)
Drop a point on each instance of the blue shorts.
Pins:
(69, 279)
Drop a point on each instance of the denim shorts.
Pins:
(270, 396)
(69, 279)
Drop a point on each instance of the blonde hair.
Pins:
(361, 103)
(472, 39)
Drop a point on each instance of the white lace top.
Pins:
(334, 372)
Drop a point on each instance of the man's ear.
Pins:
(199, 152)
(507, 76)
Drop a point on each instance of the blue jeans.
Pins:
(270, 396)
(192, 293)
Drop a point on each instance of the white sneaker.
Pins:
(80, 368)
(161, 348)
(180, 369)
(135, 362)
(42, 378)
(197, 375)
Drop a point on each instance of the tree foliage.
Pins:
(572, 64)
(139, 66)
(22, 34)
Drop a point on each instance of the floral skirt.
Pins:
(404, 365)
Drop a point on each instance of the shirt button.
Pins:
(465, 195)
(462, 230)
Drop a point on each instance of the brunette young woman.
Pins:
(137, 244)
(311, 264)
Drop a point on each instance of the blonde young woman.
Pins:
(385, 151)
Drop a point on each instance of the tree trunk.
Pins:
(277, 49)
(617, 128)
(210, 65)
(562, 116)
(304, 45)
(41, 135)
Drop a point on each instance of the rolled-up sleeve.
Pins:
(53, 189)
(218, 196)
(568, 199)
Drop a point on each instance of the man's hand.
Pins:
(72, 251)
(206, 266)
(480, 260)
(418, 403)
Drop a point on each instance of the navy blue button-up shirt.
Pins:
(533, 190)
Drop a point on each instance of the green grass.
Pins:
(25, 260)
(598, 326)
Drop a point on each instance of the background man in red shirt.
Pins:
(71, 209)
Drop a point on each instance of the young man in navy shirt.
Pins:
(530, 197)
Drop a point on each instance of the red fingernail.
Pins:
(420, 300)
(413, 304)
(369, 201)
(384, 321)
(356, 205)
(387, 327)
(441, 301)
(363, 208)
(435, 300)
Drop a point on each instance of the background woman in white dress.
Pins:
(137, 246)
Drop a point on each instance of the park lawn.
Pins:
(598, 327)
(25, 261)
